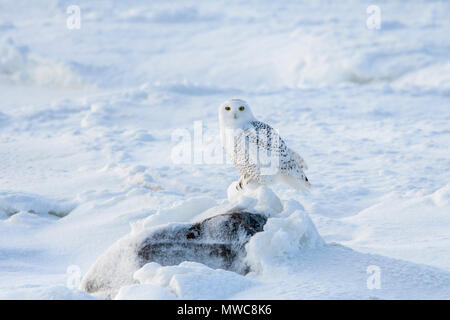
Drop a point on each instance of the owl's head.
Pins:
(235, 113)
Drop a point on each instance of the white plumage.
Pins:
(256, 149)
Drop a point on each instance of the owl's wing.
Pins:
(300, 162)
(268, 139)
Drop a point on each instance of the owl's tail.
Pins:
(297, 183)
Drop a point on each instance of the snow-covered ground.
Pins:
(90, 119)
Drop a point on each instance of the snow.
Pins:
(89, 119)
(414, 214)
(144, 292)
(282, 239)
(18, 66)
(258, 199)
(45, 293)
(182, 212)
(13, 203)
(188, 280)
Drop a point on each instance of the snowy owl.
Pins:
(256, 149)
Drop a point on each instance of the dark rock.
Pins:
(218, 242)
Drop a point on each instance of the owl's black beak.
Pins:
(235, 115)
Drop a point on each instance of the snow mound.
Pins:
(284, 238)
(12, 203)
(19, 66)
(188, 280)
(257, 199)
(144, 292)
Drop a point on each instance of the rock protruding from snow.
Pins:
(217, 242)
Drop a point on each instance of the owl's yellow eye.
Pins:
(227, 108)
(241, 108)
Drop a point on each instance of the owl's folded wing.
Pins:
(266, 138)
(300, 162)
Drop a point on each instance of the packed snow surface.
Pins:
(112, 128)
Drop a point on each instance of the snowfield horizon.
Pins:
(109, 133)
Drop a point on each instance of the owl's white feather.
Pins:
(257, 151)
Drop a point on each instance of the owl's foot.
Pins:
(239, 185)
